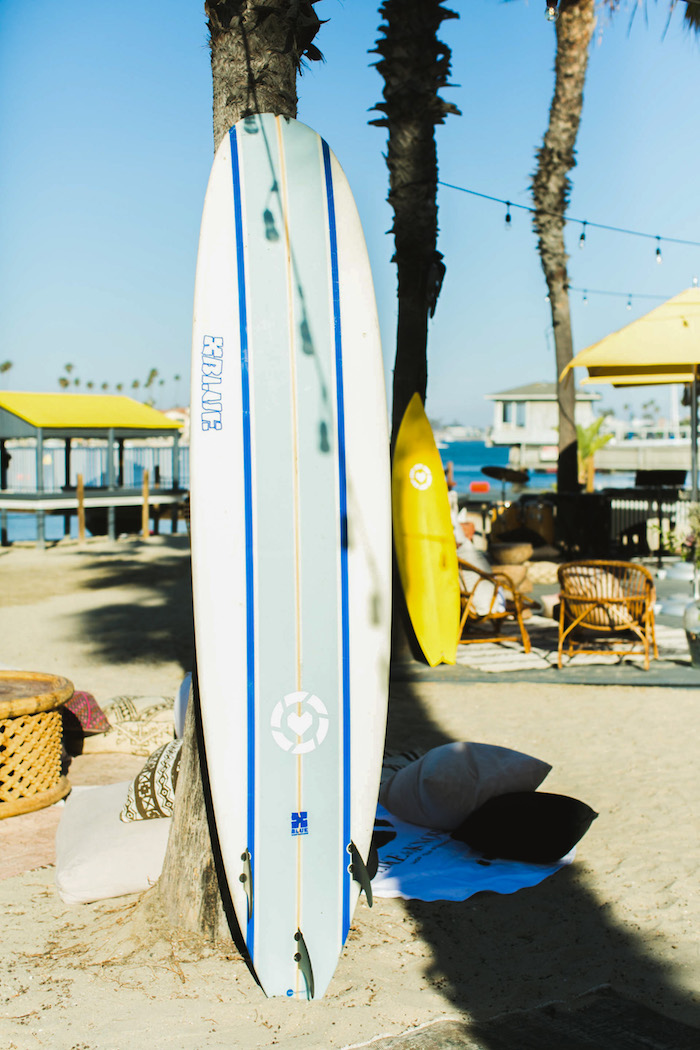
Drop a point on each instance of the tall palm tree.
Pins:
(256, 52)
(415, 65)
(5, 367)
(550, 189)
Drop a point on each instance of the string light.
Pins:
(629, 296)
(582, 238)
(508, 215)
(550, 12)
(582, 222)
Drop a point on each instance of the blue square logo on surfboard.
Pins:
(300, 823)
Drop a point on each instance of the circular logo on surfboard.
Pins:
(299, 723)
(420, 476)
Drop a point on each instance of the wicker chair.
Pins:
(504, 604)
(610, 598)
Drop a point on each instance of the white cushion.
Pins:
(98, 855)
(444, 786)
(591, 582)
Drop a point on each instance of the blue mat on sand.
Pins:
(420, 864)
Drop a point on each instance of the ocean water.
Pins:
(469, 457)
(22, 527)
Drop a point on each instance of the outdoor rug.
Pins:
(601, 1020)
(501, 657)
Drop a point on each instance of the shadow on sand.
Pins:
(155, 622)
(494, 954)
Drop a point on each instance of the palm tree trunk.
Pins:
(414, 65)
(257, 47)
(551, 187)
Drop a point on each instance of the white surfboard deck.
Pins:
(291, 542)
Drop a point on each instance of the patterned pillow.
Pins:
(87, 712)
(139, 724)
(152, 793)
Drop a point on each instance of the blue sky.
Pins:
(107, 143)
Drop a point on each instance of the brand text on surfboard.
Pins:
(212, 367)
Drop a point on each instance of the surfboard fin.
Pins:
(246, 877)
(358, 870)
(302, 958)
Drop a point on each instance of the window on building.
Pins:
(514, 413)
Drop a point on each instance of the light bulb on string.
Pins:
(659, 257)
(582, 238)
(585, 296)
(550, 12)
(629, 302)
(695, 282)
(508, 215)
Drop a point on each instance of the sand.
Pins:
(112, 976)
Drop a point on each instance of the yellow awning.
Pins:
(85, 411)
(666, 340)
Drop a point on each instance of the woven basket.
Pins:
(30, 740)
(511, 553)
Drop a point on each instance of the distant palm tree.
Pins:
(550, 190)
(76, 382)
(63, 382)
(119, 387)
(104, 386)
(589, 440)
(90, 385)
(135, 385)
(414, 65)
(68, 368)
(5, 367)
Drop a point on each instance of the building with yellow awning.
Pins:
(69, 417)
(661, 347)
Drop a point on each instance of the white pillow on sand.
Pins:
(482, 590)
(444, 786)
(98, 855)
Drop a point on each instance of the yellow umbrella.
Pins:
(663, 346)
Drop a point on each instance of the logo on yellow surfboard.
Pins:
(420, 476)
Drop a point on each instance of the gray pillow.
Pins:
(444, 786)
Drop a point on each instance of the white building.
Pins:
(527, 419)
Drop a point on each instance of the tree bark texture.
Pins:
(256, 51)
(257, 48)
(551, 187)
(189, 884)
(414, 66)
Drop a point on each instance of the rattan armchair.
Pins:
(489, 601)
(614, 599)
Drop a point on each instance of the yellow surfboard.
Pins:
(423, 537)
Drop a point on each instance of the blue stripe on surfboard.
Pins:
(248, 489)
(343, 498)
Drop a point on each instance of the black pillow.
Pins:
(532, 826)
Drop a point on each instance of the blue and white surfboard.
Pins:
(291, 543)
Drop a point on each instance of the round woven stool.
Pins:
(30, 740)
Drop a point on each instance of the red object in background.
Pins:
(479, 486)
